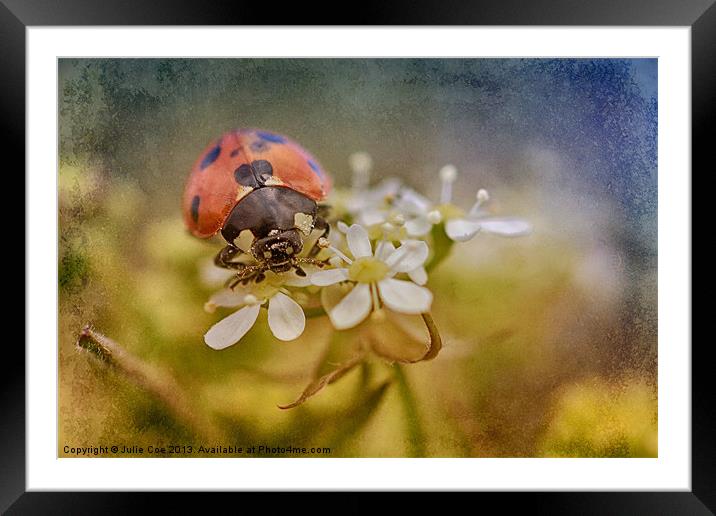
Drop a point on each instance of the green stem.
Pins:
(314, 312)
(416, 437)
(441, 246)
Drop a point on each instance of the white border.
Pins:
(670, 471)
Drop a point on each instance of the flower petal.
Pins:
(461, 230)
(212, 276)
(418, 226)
(399, 337)
(372, 217)
(333, 294)
(329, 277)
(411, 255)
(506, 226)
(419, 275)
(342, 226)
(405, 296)
(229, 298)
(384, 250)
(229, 330)
(285, 317)
(353, 308)
(358, 241)
(309, 243)
(291, 279)
(298, 281)
(412, 202)
(387, 187)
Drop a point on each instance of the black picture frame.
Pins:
(700, 15)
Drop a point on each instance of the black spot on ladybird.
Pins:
(210, 157)
(244, 175)
(270, 137)
(262, 169)
(254, 175)
(259, 146)
(234, 153)
(315, 167)
(195, 208)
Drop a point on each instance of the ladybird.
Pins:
(262, 183)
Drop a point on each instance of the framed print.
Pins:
(425, 258)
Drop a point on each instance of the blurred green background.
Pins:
(550, 339)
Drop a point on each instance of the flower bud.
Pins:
(360, 162)
(448, 173)
(397, 219)
(434, 217)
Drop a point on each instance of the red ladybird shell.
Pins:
(213, 188)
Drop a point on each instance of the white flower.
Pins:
(285, 317)
(367, 204)
(459, 226)
(391, 232)
(420, 213)
(373, 279)
(370, 206)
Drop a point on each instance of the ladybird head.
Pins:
(278, 249)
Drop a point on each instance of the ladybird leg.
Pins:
(223, 258)
(246, 273)
(233, 282)
(238, 278)
(320, 224)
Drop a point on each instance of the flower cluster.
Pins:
(382, 242)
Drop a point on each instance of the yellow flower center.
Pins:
(450, 211)
(273, 279)
(367, 270)
(378, 232)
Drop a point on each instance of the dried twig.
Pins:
(160, 384)
(317, 385)
(436, 342)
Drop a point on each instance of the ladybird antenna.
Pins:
(309, 261)
(245, 274)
